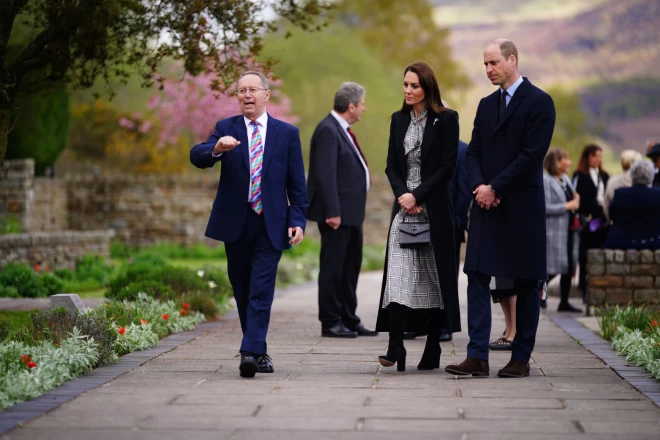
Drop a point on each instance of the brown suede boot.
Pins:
(469, 367)
(515, 369)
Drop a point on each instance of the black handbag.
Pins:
(414, 235)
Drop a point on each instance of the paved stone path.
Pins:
(335, 389)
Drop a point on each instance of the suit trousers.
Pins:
(341, 259)
(252, 267)
(480, 319)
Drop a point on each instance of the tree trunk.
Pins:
(5, 116)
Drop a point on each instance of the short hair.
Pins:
(551, 161)
(507, 48)
(641, 172)
(349, 92)
(628, 157)
(264, 79)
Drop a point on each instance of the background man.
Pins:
(339, 179)
(511, 135)
(259, 209)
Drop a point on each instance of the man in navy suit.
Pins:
(511, 135)
(338, 182)
(259, 209)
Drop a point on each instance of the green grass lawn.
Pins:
(16, 319)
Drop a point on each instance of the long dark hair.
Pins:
(583, 165)
(429, 84)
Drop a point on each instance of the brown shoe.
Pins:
(515, 369)
(469, 367)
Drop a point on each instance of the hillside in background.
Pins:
(605, 51)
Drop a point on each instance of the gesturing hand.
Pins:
(333, 222)
(407, 201)
(225, 143)
(297, 237)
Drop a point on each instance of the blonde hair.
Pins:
(629, 157)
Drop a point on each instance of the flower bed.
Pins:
(635, 334)
(59, 345)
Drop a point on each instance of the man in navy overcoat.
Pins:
(512, 132)
(260, 208)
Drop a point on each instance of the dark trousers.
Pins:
(252, 267)
(480, 318)
(341, 259)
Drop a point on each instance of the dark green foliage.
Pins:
(180, 280)
(41, 127)
(50, 284)
(170, 250)
(55, 325)
(152, 288)
(93, 267)
(4, 329)
(204, 303)
(10, 225)
(23, 278)
(9, 292)
(115, 312)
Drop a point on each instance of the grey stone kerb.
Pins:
(69, 301)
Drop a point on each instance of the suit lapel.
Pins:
(556, 187)
(271, 138)
(515, 102)
(429, 133)
(493, 108)
(242, 137)
(342, 133)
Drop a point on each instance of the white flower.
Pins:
(212, 285)
(299, 266)
(200, 273)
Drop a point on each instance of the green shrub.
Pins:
(5, 328)
(150, 259)
(203, 303)
(120, 250)
(155, 289)
(10, 225)
(9, 292)
(93, 267)
(23, 278)
(50, 284)
(180, 280)
(114, 312)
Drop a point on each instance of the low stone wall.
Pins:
(57, 250)
(622, 277)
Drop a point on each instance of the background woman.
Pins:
(420, 290)
(590, 181)
(561, 204)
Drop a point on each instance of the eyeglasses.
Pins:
(252, 90)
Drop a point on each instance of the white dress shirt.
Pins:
(345, 126)
(598, 183)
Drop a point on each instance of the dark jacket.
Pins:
(509, 241)
(439, 151)
(635, 215)
(459, 188)
(336, 185)
(283, 189)
(584, 185)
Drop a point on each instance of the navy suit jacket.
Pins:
(283, 188)
(337, 181)
(635, 214)
(509, 241)
(459, 188)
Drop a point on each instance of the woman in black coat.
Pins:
(420, 291)
(590, 181)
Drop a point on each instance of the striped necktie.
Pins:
(256, 162)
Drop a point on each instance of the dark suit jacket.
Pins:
(635, 214)
(459, 188)
(656, 180)
(283, 177)
(509, 240)
(584, 186)
(337, 182)
(439, 151)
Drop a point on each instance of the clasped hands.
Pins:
(485, 197)
(408, 203)
(224, 144)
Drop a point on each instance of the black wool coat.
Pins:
(439, 152)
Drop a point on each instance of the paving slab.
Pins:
(335, 389)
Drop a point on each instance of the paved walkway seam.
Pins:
(636, 376)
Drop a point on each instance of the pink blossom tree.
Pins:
(191, 107)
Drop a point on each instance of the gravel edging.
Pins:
(634, 375)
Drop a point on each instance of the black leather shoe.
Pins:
(265, 364)
(249, 365)
(338, 331)
(566, 307)
(445, 336)
(361, 330)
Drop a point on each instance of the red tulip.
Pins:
(37, 267)
(31, 364)
(143, 321)
(121, 330)
(25, 359)
(183, 312)
(166, 316)
(47, 269)
(185, 305)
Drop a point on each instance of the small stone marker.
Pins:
(69, 301)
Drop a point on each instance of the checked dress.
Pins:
(412, 275)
